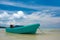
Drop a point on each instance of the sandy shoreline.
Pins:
(54, 35)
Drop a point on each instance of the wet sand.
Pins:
(45, 35)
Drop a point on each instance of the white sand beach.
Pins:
(45, 35)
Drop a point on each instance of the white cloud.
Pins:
(4, 15)
(19, 14)
(16, 15)
(46, 20)
(11, 17)
(0, 16)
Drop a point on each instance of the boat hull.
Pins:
(28, 29)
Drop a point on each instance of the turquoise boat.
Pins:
(27, 29)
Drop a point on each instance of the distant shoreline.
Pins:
(2, 27)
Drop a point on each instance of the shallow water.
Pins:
(53, 34)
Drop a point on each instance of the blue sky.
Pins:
(23, 12)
